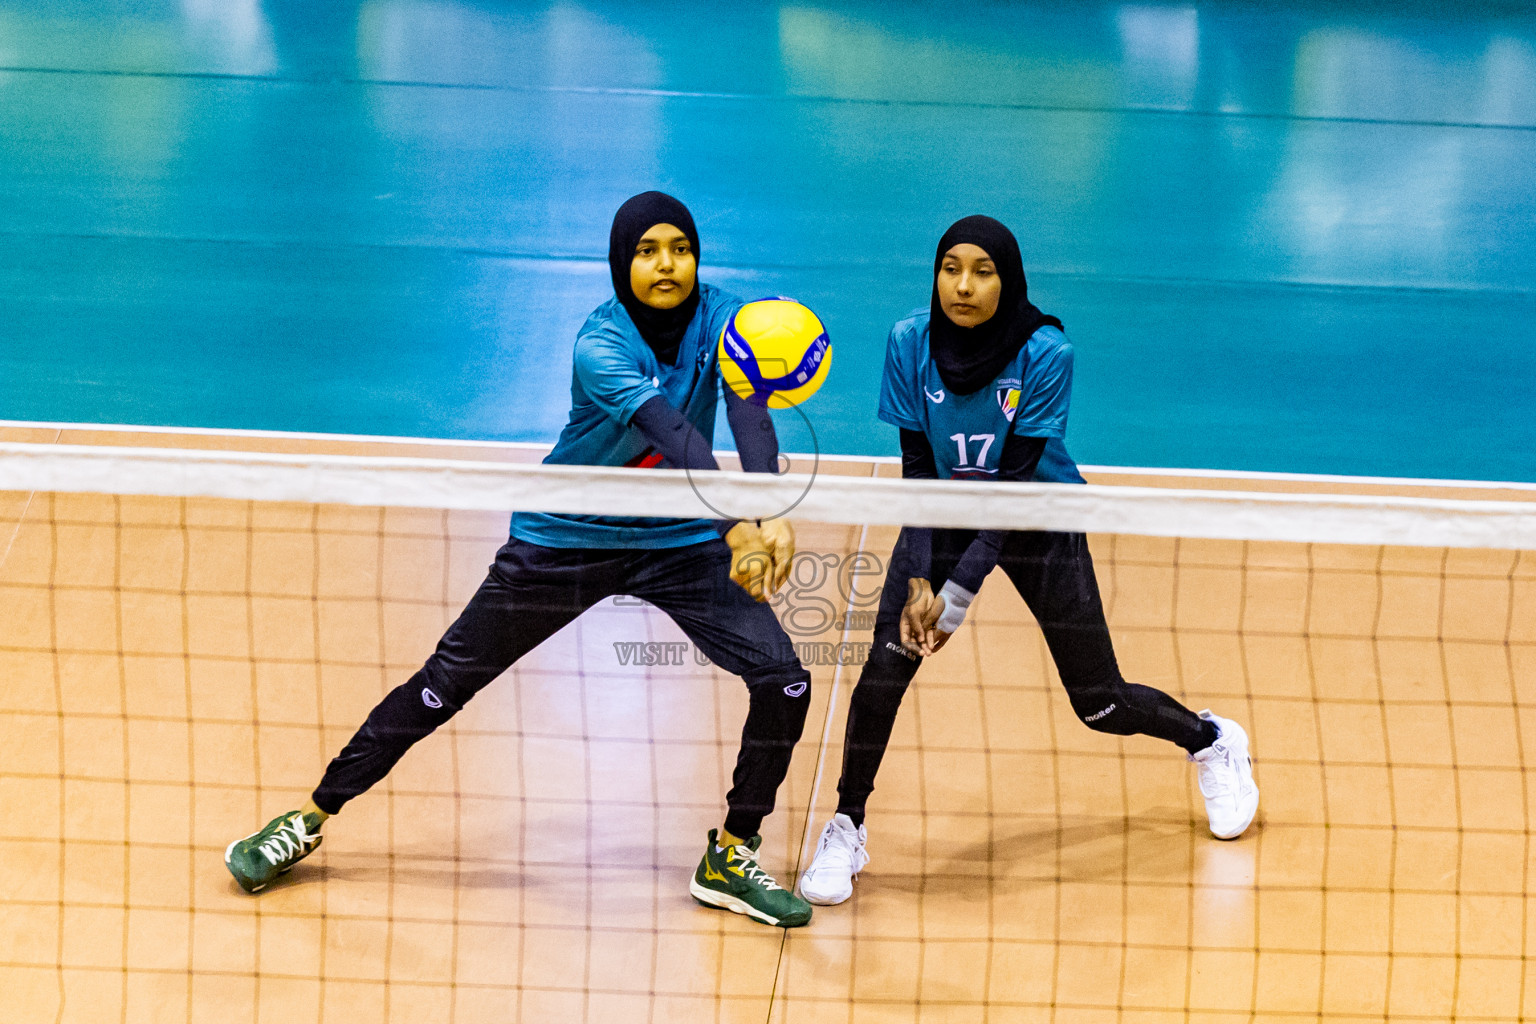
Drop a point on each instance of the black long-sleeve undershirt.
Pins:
(682, 446)
(1019, 457)
(917, 463)
(757, 445)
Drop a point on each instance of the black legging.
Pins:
(1053, 572)
(531, 592)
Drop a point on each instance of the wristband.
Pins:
(956, 600)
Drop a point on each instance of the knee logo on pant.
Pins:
(430, 699)
(1099, 714)
(796, 689)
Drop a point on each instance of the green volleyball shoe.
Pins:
(731, 879)
(261, 856)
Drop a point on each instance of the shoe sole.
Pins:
(725, 901)
(238, 880)
(1234, 834)
(824, 901)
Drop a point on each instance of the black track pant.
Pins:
(533, 591)
(1053, 572)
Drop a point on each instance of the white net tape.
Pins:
(493, 486)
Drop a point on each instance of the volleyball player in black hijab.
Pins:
(979, 385)
(662, 329)
(645, 384)
(968, 357)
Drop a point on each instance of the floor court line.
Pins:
(795, 98)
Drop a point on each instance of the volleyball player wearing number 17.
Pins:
(979, 384)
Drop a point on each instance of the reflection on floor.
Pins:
(391, 216)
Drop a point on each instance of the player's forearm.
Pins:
(1018, 461)
(1020, 457)
(917, 463)
(670, 433)
(757, 444)
(680, 444)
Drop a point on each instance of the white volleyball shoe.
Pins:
(840, 856)
(1226, 779)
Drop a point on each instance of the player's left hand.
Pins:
(752, 565)
(933, 638)
(779, 538)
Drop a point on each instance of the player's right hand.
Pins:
(915, 617)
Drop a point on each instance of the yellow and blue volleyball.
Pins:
(775, 352)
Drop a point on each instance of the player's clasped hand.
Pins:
(761, 555)
(919, 619)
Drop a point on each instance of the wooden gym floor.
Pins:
(175, 672)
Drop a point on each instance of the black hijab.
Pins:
(969, 358)
(662, 329)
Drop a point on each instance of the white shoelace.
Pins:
(847, 843)
(748, 858)
(1219, 771)
(283, 846)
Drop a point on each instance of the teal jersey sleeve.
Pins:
(611, 376)
(899, 383)
(720, 310)
(1048, 386)
(614, 374)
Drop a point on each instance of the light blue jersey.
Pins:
(616, 373)
(1029, 397)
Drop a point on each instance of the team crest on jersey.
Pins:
(1008, 398)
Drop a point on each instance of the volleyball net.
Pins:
(187, 635)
